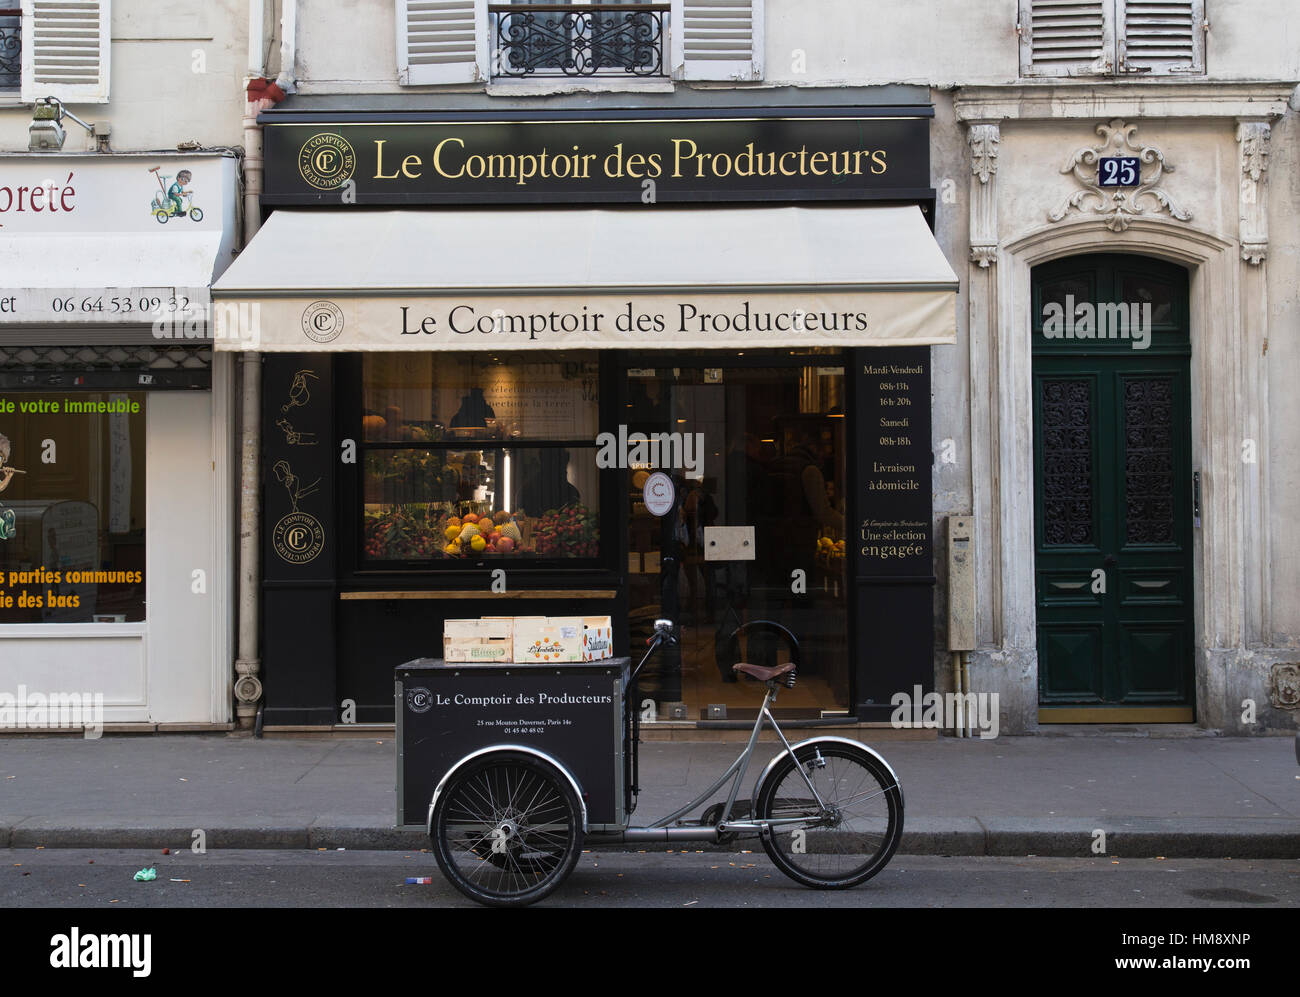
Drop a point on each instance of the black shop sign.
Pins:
(478, 161)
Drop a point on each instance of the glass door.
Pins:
(746, 446)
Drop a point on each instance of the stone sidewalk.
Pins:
(1181, 797)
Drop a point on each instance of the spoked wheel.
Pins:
(196, 214)
(507, 830)
(853, 836)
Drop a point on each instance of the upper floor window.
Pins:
(468, 41)
(1112, 37)
(63, 50)
(11, 49)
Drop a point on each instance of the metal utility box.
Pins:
(961, 583)
(572, 712)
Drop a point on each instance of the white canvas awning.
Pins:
(641, 277)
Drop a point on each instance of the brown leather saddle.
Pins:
(764, 674)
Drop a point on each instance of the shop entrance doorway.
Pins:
(755, 442)
(1113, 496)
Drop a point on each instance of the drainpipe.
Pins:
(261, 94)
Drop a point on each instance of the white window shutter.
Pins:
(66, 50)
(1067, 37)
(1162, 37)
(717, 39)
(441, 41)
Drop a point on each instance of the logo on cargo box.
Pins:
(419, 699)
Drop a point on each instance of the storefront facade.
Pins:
(753, 309)
(114, 501)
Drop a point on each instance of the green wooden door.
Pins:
(1112, 490)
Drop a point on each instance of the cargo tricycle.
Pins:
(512, 769)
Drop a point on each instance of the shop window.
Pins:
(11, 50)
(479, 458)
(72, 508)
(1059, 38)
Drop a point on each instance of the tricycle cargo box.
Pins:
(572, 712)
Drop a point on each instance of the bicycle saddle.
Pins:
(761, 673)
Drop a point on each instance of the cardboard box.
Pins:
(563, 638)
(488, 639)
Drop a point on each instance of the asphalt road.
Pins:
(326, 879)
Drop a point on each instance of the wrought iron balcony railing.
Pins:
(11, 40)
(566, 39)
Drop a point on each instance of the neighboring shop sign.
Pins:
(96, 240)
(809, 154)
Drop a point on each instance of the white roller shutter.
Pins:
(717, 39)
(66, 50)
(441, 41)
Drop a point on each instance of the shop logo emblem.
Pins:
(326, 161)
(419, 700)
(298, 538)
(322, 321)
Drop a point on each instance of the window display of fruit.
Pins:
(830, 551)
(401, 533)
(430, 531)
(572, 531)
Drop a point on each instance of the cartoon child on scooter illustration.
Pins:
(171, 200)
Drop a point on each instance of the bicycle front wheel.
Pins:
(507, 830)
(851, 835)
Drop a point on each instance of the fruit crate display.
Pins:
(471, 534)
(572, 531)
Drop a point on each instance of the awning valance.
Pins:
(641, 277)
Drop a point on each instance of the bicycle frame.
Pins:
(736, 772)
(664, 829)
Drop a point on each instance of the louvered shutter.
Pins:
(66, 50)
(1161, 37)
(441, 41)
(1067, 37)
(717, 39)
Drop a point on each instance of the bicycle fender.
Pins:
(506, 749)
(828, 739)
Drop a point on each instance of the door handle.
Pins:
(1109, 561)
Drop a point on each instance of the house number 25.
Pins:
(1119, 171)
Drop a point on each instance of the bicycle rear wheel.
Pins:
(507, 830)
(853, 837)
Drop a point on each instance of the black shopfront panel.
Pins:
(892, 630)
(300, 456)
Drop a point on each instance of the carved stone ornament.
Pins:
(1118, 206)
(983, 141)
(1284, 686)
(1253, 138)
